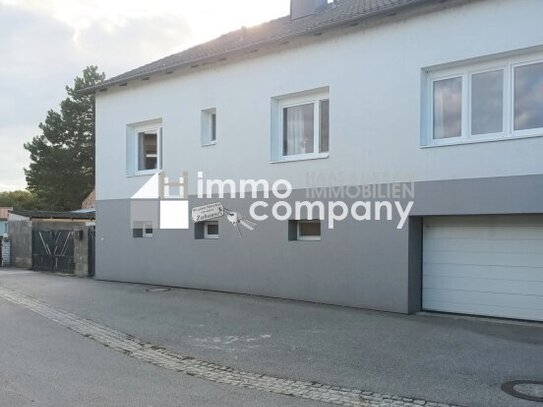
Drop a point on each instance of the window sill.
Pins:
(304, 157)
(143, 174)
(211, 143)
(480, 140)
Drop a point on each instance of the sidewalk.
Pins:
(433, 358)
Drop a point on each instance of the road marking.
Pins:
(210, 371)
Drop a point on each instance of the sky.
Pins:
(45, 44)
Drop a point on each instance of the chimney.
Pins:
(304, 8)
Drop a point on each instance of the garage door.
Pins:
(484, 265)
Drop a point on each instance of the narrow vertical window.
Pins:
(148, 150)
(299, 129)
(528, 96)
(209, 127)
(447, 107)
(487, 102)
(213, 131)
(324, 125)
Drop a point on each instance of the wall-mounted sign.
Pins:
(207, 212)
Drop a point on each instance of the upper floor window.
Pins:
(209, 127)
(148, 150)
(487, 101)
(301, 126)
(144, 148)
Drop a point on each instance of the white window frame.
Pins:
(507, 65)
(207, 235)
(299, 236)
(137, 131)
(279, 104)
(207, 127)
(146, 235)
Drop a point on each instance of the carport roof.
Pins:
(56, 215)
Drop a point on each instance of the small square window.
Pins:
(211, 230)
(207, 230)
(145, 231)
(209, 127)
(305, 230)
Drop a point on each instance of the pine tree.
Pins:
(61, 172)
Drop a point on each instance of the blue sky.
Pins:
(46, 43)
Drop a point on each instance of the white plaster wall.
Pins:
(374, 77)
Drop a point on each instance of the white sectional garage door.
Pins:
(484, 265)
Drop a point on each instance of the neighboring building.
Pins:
(89, 201)
(4, 220)
(53, 241)
(447, 95)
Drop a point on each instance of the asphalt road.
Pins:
(433, 358)
(42, 364)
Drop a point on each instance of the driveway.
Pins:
(438, 358)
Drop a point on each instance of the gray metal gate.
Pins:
(53, 250)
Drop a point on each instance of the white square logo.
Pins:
(174, 215)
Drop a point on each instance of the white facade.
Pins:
(376, 79)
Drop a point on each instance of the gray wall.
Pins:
(20, 235)
(348, 266)
(361, 264)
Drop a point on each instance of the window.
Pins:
(209, 127)
(211, 230)
(206, 230)
(148, 150)
(146, 231)
(529, 96)
(305, 230)
(144, 148)
(448, 108)
(302, 126)
(486, 101)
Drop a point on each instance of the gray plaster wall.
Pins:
(367, 264)
(20, 235)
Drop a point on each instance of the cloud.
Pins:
(42, 58)
(47, 43)
(12, 155)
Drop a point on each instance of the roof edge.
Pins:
(379, 12)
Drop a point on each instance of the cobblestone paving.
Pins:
(213, 372)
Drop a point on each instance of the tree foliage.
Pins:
(61, 172)
(19, 200)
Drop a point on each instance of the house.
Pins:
(53, 241)
(367, 102)
(4, 220)
(88, 203)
